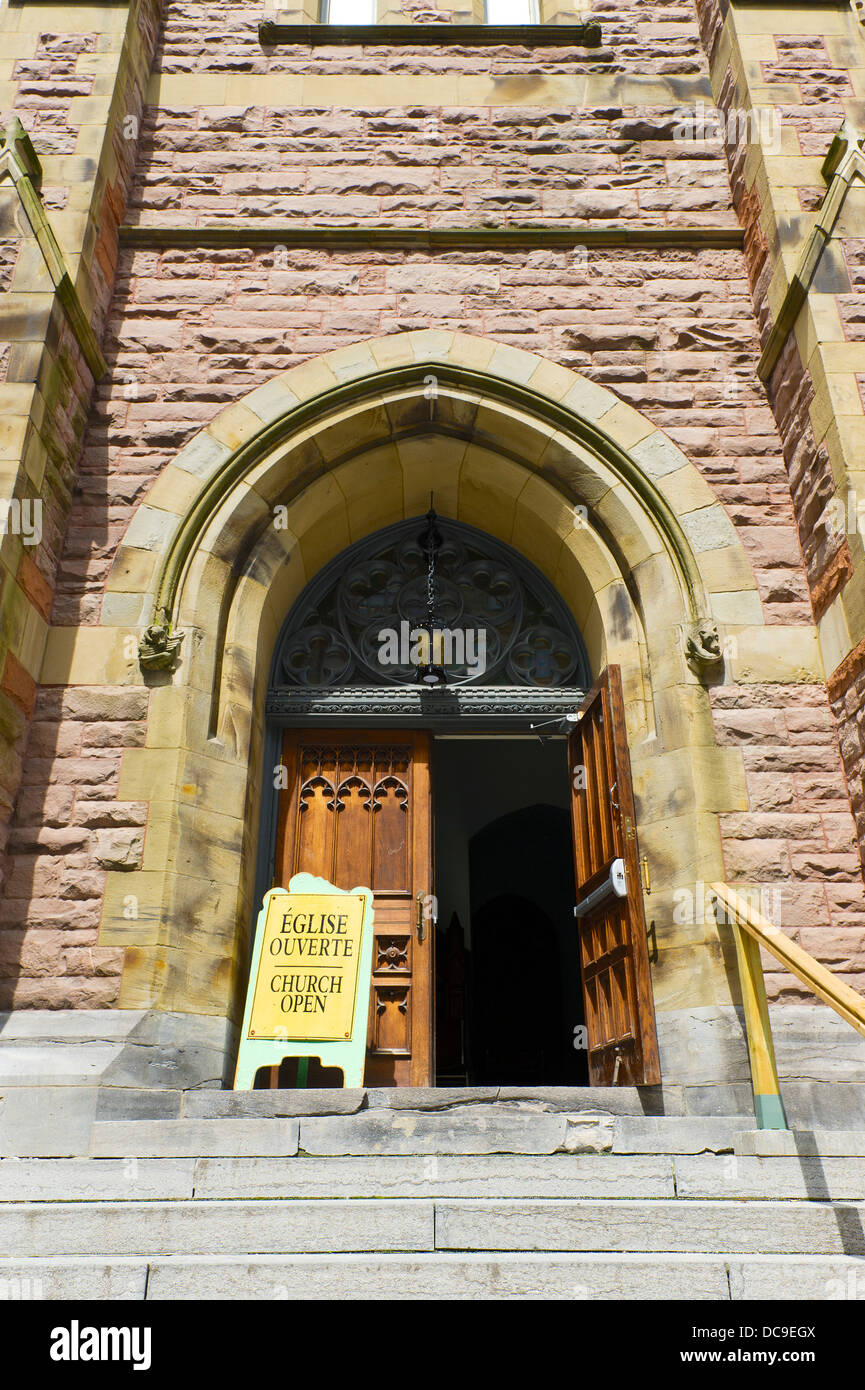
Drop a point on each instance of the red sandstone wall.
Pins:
(47, 84)
(673, 332)
(815, 119)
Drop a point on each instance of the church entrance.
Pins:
(484, 793)
(509, 999)
(478, 851)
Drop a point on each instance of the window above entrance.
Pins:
(498, 620)
(348, 11)
(512, 11)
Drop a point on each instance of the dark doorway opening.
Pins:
(509, 1005)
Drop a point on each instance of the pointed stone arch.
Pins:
(583, 485)
(305, 422)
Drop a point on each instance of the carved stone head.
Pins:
(703, 647)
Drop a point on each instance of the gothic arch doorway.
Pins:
(380, 773)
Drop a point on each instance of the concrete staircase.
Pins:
(436, 1194)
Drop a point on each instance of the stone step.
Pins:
(470, 1175)
(475, 1129)
(782, 1179)
(478, 1129)
(825, 1143)
(698, 1227)
(707, 1176)
(97, 1179)
(681, 1135)
(460, 1276)
(637, 1176)
(212, 1104)
(323, 1226)
(677, 1134)
(194, 1138)
(555, 1175)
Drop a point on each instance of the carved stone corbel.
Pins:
(703, 648)
(159, 648)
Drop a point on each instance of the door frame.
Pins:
(469, 711)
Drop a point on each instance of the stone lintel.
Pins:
(247, 233)
(588, 36)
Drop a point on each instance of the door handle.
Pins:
(421, 899)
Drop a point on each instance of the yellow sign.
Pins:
(309, 981)
(308, 969)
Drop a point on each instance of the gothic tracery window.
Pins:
(485, 591)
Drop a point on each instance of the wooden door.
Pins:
(357, 812)
(617, 987)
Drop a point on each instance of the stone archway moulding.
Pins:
(349, 442)
(640, 457)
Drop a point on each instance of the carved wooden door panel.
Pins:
(357, 812)
(617, 987)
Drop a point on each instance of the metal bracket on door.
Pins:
(615, 887)
(558, 719)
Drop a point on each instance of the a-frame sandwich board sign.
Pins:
(309, 984)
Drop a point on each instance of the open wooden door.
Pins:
(617, 987)
(356, 811)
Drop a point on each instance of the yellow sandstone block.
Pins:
(133, 570)
(787, 20)
(319, 519)
(843, 357)
(794, 171)
(686, 490)
(820, 322)
(31, 646)
(373, 488)
(787, 655)
(203, 89)
(431, 463)
(837, 395)
(625, 425)
(175, 490)
(489, 487)
(132, 909)
(72, 19)
(835, 640)
(177, 715)
(530, 535)
(148, 774)
(90, 656)
(235, 426)
(311, 379)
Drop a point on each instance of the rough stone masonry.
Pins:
(225, 133)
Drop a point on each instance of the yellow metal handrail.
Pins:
(752, 931)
